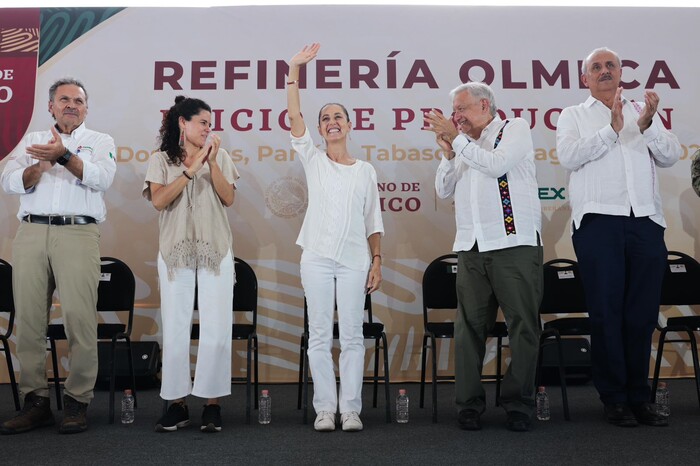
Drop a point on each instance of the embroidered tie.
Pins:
(506, 203)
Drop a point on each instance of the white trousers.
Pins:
(212, 377)
(324, 281)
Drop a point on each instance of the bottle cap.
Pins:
(265, 392)
(540, 389)
(128, 392)
(402, 391)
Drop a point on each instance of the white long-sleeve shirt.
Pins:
(344, 207)
(58, 191)
(612, 175)
(481, 202)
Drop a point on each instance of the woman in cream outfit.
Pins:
(190, 182)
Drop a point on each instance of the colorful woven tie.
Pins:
(506, 204)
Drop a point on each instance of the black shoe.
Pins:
(211, 418)
(469, 419)
(620, 414)
(74, 416)
(645, 413)
(177, 416)
(35, 413)
(518, 422)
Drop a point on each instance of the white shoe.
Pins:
(325, 421)
(351, 421)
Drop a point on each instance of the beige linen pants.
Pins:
(67, 258)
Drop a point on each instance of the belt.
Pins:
(59, 219)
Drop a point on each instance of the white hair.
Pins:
(584, 65)
(478, 91)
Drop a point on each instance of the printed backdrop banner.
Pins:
(19, 48)
(388, 65)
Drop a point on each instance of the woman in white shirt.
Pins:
(341, 259)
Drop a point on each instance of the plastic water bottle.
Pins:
(128, 407)
(264, 408)
(542, 404)
(662, 400)
(402, 407)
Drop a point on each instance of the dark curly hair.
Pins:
(169, 133)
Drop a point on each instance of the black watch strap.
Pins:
(62, 160)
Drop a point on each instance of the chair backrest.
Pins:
(681, 285)
(439, 281)
(116, 289)
(245, 290)
(563, 288)
(7, 302)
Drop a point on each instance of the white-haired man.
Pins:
(489, 169)
(613, 147)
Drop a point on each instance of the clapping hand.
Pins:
(617, 120)
(47, 153)
(203, 156)
(651, 103)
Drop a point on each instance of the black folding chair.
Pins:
(115, 293)
(7, 306)
(439, 295)
(681, 287)
(563, 294)
(371, 331)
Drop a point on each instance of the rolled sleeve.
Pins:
(515, 146)
(446, 178)
(663, 145)
(373, 211)
(99, 171)
(12, 176)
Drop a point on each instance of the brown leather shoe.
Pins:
(74, 416)
(35, 413)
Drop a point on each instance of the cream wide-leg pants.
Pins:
(212, 377)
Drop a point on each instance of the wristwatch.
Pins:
(62, 160)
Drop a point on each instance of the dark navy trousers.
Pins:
(622, 262)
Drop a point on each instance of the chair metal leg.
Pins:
(56, 376)
(696, 366)
(385, 347)
(433, 355)
(11, 373)
(423, 357)
(562, 379)
(255, 355)
(499, 354)
(112, 378)
(247, 380)
(132, 372)
(376, 373)
(540, 355)
(305, 389)
(657, 365)
(300, 388)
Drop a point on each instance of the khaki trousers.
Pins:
(67, 258)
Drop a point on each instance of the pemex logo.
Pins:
(19, 50)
